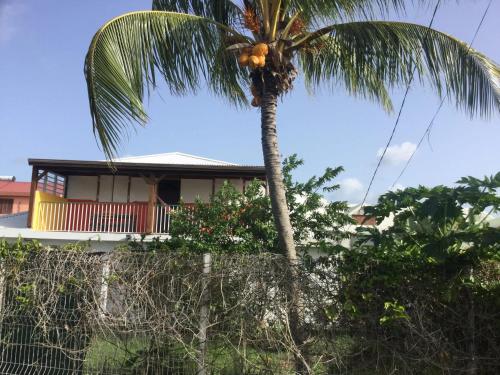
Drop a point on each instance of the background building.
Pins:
(14, 196)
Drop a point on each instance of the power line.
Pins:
(399, 112)
(431, 123)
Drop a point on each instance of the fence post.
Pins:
(204, 312)
(151, 218)
(103, 297)
(2, 288)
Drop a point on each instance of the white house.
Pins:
(81, 200)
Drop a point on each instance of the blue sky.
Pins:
(44, 107)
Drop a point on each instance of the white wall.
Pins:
(105, 191)
(195, 188)
(139, 190)
(236, 182)
(82, 187)
(191, 188)
(120, 189)
(85, 187)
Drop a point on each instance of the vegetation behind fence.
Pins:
(71, 312)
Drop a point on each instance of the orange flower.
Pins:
(298, 27)
(251, 20)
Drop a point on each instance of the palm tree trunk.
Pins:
(272, 161)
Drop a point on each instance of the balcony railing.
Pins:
(102, 217)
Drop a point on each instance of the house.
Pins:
(81, 200)
(14, 196)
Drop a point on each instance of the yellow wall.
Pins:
(42, 219)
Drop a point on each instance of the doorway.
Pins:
(169, 191)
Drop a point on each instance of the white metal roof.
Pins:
(172, 158)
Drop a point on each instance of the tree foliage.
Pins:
(427, 286)
(443, 225)
(241, 222)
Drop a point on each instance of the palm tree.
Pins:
(261, 45)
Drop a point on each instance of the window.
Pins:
(6, 206)
(52, 183)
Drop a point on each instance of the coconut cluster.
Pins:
(254, 57)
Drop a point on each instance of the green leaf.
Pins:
(128, 52)
(222, 11)
(390, 52)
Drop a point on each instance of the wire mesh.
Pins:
(73, 312)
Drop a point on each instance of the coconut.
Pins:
(260, 49)
(256, 101)
(243, 60)
(262, 61)
(253, 61)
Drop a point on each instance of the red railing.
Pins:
(102, 217)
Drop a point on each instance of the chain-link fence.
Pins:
(72, 312)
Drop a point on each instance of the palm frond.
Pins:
(128, 52)
(328, 64)
(223, 11)
(394, 50)
(325, 11)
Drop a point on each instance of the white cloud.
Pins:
(351, 190)
(351, 185)
(397, 187)
(397, 154)
(9, 12)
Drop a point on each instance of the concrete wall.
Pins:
(19, 204)
(42, 219)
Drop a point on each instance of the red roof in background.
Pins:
(15, 189)
(364, 220)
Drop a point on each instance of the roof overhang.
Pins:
(91, 168)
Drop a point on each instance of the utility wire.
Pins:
(431, 123)
(400, 111)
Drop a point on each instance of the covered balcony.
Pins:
(136, 195)
(102, 217)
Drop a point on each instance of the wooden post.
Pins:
(128, 188)
(34, 183)
(150, 223)
(98, 191)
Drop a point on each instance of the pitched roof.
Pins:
(14, 189)
(168, 164)
(178, 158)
